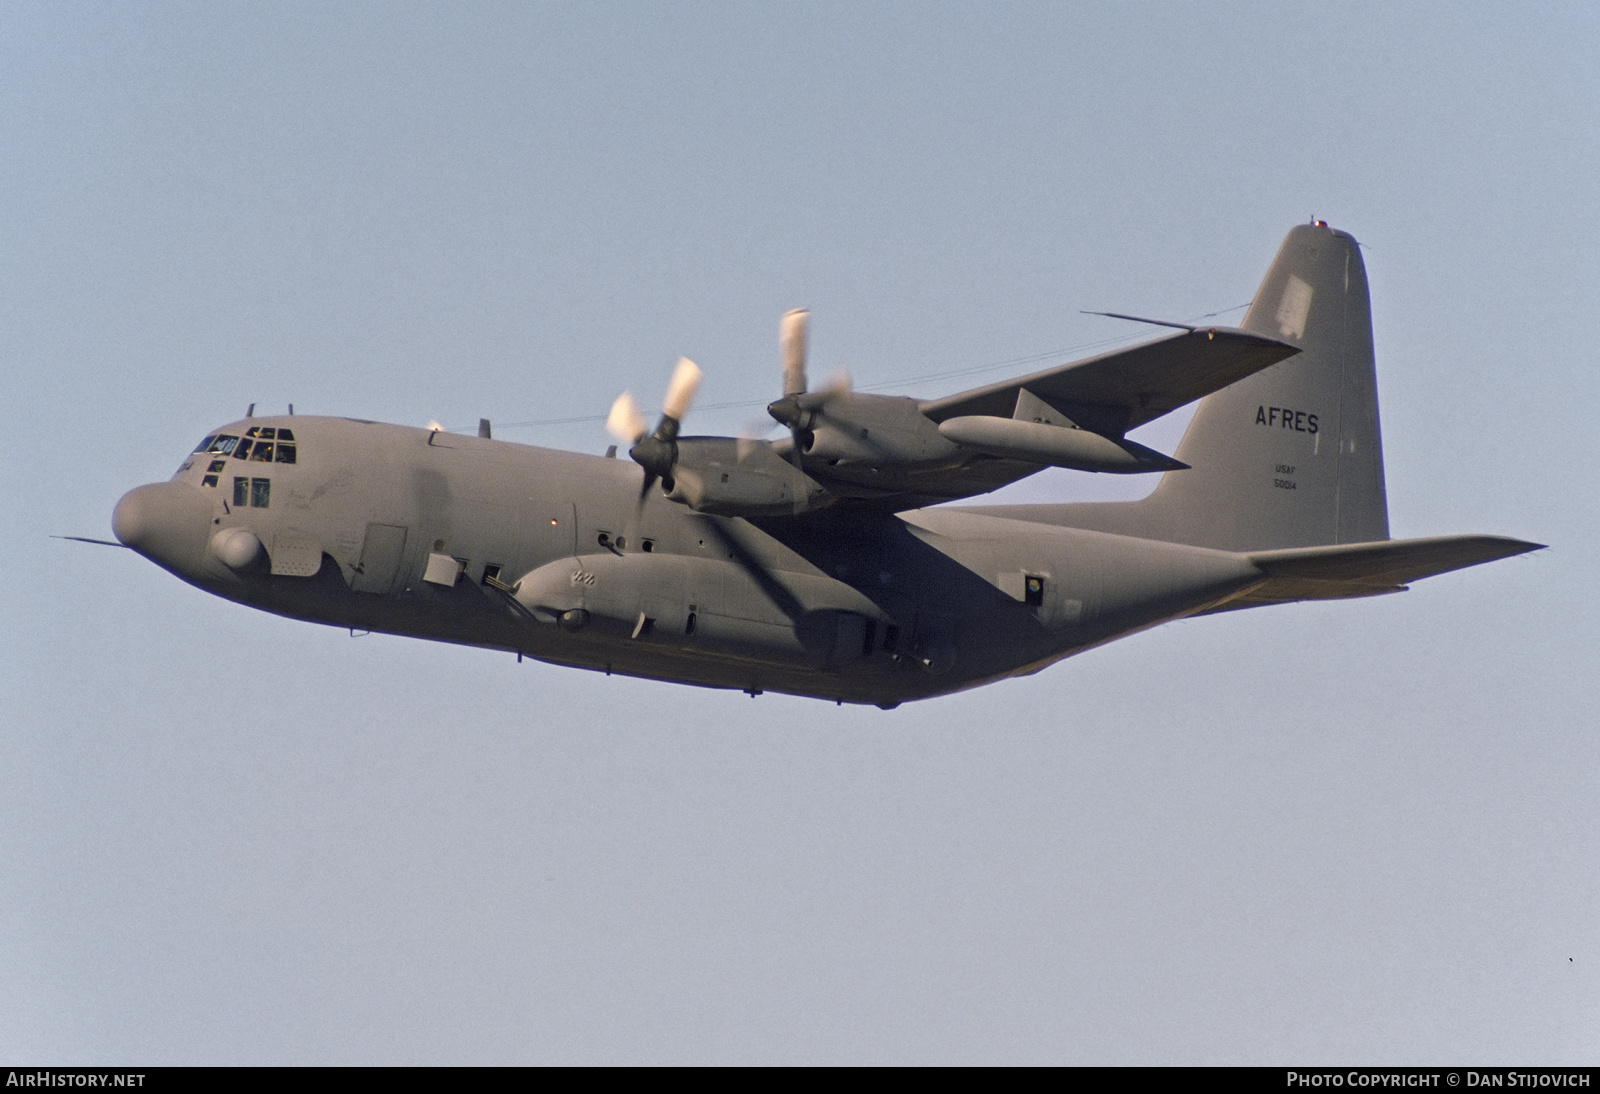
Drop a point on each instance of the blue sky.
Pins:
(1340, 832)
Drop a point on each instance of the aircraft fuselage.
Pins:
(548, 554)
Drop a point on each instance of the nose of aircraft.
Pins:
(167, 522)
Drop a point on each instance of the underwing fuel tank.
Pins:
(705, 606)
(1057, 446)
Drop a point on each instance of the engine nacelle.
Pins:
(738, 479)
(876, 429)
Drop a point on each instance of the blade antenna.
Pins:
(1142, 319)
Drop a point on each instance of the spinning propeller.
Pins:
(656, 452)
(798, 408)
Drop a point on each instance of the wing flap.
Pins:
(1124, 389)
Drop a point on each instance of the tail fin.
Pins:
(1289, 457)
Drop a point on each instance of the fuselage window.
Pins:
(205, 444)
(262, 452)
(243, 451)
(1033, 589)
(256, 493)
(285, 451)
(222, 445)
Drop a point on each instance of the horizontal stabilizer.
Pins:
(1122, 390)
(1351, 570)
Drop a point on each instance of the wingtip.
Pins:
(1510, 546)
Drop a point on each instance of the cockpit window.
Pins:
(265, 451)
(260, 444)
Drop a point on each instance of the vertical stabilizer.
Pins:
(1289, 457)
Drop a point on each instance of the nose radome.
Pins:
(167, 522)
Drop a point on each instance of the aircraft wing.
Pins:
(890, 453)
(1124, 389)
(1349, 570)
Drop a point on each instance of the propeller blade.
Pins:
(630, 534)
(834, 386)
(656, 452)
(680, 392)
(751, 436)
(792, 337)
(625, 423)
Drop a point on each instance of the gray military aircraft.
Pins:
(813, 564)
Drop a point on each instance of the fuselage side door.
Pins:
(381, 555)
